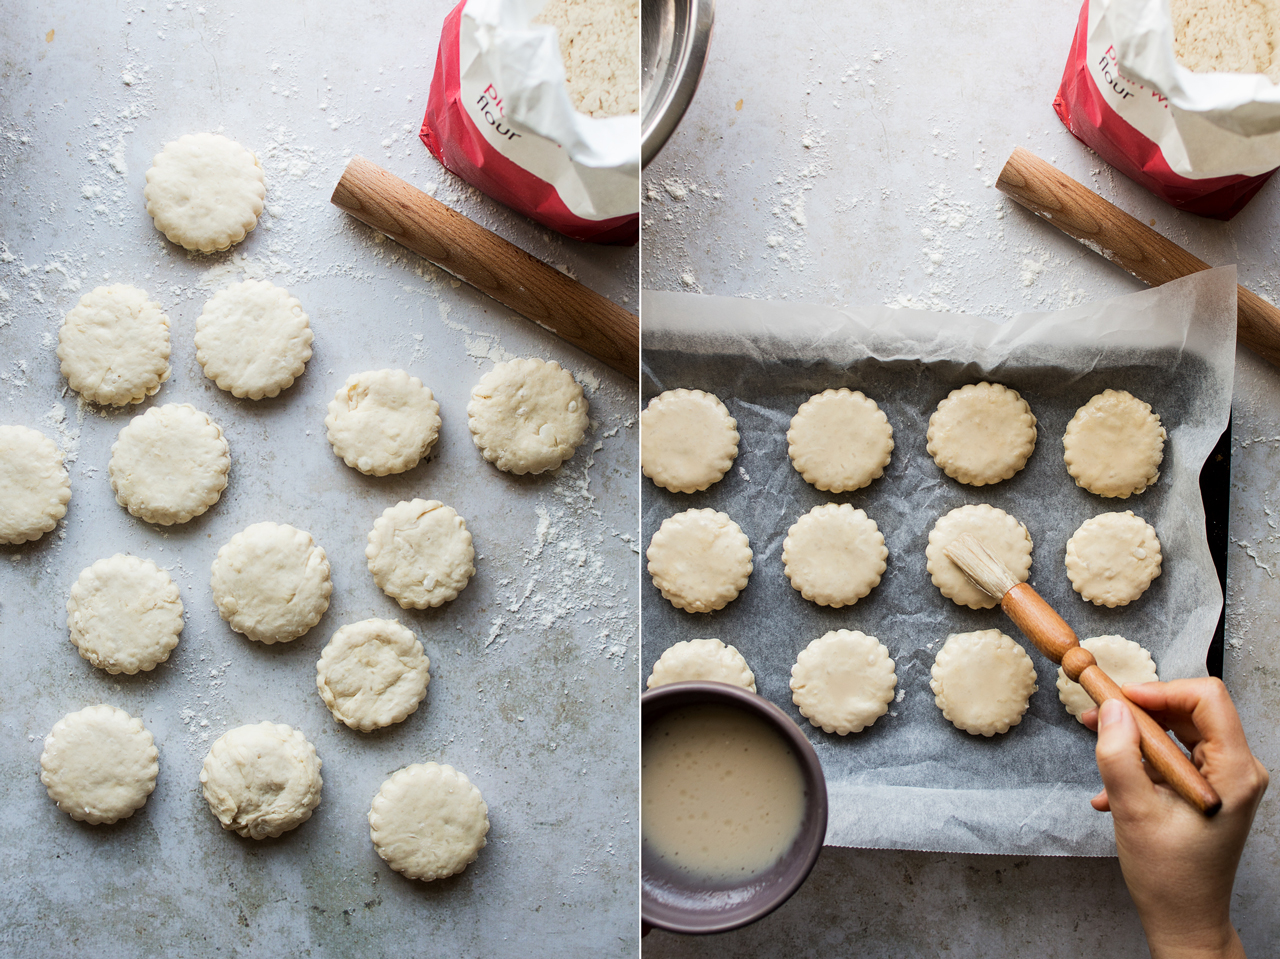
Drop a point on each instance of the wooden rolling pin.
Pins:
(1053, 637)
(1079, 212)
(507, 273)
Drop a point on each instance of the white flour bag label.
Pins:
(1204, 142)
(499, 116)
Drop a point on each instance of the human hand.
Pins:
(1179, 865)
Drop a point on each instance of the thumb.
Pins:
(1120, 757)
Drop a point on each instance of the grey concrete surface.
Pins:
(532, 693)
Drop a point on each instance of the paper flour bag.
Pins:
(1204, 142)
(499, 115)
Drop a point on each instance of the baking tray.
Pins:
(763, 381)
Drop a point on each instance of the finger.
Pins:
(1204, 702)
(1120, 758)
(1180, 724)
(1100, 802)
(1090, 718)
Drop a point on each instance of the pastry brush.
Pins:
(1053, 637)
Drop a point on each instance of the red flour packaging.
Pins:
(499, 116)
(1204, 142)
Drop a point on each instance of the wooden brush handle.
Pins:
(1053, 637)
(507, 273)
(1079, 212)
(1039, 622)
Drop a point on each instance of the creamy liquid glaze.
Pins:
(722, 793)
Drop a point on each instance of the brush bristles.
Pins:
(976, 562)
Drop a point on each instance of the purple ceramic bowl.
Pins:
(672, 902)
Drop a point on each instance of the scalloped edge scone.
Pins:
(527, 415)
(1114, 445)
(840, 440)
(205, 192)
(981, 434)
(113, 346)
(169, 464)
(843, 681)
(700, 560)
(688, 440)
(34, 484)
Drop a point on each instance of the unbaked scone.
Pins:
(1121, 659)
(420, 553)
(205, 192)
(1112, 558)
(700, 560)
(114, 346)
(428, 821)
(124, 614)
(688, 440)
(99, 764)
(1006, 538)
(527, 416)
(262, 780)
(983, 681)
(383, 421)
(840, 440)
(834, 555)
(1114, 445)
(253, 339)
(271, 582)
(981, 434)
(705, 659)
(373, 673)
(843, 681)
(169, 464)
(34, 485)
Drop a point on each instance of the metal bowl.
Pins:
(676, 903)
(674, 36)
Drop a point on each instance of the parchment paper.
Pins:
(913, 780)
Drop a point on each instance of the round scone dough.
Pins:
(688, 440)
(1006, 539)
(373, 673)
(99, 764)
(983, 681)
(1114, 444)
(834, 555)
(34, 485)
(527, 416)
(843, 681)
(700, 560)
(705, 659)
(271, 582)
(124, 614)
(253, 339)
(981, 434)
(169, 464)
(114, 346)
(205, 192)
(383, 421)
(840, 440)
(420, 553)
(1121, 659)
(428, 821)
(262, 780)
(1112, 558)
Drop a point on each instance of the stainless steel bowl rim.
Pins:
(675, 35)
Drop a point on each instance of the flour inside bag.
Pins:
(1201, 140)
(503, 115)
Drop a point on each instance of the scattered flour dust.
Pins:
(567, 578)
(564, 575)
